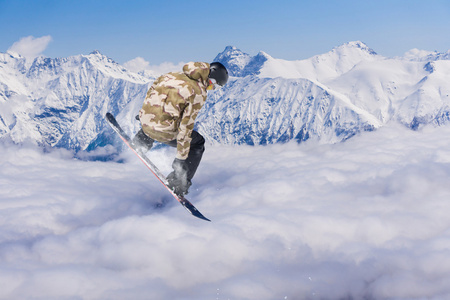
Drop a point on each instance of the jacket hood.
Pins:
(197, 71)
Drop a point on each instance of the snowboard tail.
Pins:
(126, 139)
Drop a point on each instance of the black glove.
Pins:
(180, 166)
(177, 179)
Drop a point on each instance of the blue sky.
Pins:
(174, 31)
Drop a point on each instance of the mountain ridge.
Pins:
(329, 97)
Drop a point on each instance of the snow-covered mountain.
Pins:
(329, 97)
(61, 102)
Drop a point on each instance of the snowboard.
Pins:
(126, 139)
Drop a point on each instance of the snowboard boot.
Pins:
(142, 141)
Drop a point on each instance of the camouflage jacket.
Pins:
(172, 104)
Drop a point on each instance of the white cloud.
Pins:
(417, 53)
(367, 218)
(166, 67)
(139, 64)
(31, 47)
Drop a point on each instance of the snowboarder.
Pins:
(168, 115)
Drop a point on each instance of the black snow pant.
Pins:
(195, 151)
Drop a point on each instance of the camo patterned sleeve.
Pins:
(187, 125)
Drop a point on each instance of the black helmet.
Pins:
(219, 73)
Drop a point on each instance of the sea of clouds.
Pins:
(364, 219)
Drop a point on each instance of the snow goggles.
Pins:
(213, 85)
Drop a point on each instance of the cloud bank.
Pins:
(139, 64)
(364, 219)
(31, 47)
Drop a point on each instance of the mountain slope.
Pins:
(264, 111)
(61, 102)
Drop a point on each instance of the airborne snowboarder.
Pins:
(168, 115)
